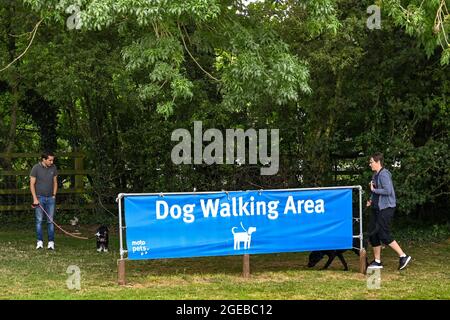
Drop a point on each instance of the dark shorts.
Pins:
(380, 226)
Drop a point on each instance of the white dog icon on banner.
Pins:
(245, 237)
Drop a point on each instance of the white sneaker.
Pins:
(39, 245)
(51, 245)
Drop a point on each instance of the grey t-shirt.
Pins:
(44, 179)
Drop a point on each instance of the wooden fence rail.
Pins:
(14, 184)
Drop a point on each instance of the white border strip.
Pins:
(121, 195)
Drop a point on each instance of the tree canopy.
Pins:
(114, 78)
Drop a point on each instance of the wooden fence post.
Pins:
(362, 261)
(246, 266)
(79, 166)
(121, 272)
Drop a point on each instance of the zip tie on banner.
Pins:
(228, 195)
(260, 191)
(161, 195)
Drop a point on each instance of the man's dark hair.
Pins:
(47, 154)
(378, 157)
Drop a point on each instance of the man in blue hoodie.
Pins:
(383, 203)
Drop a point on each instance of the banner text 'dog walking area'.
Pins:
(235, 223)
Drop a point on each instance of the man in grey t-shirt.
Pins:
(43, 186)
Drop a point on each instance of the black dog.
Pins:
(102, 239)
(316, 256)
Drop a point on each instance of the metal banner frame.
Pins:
(246, 268)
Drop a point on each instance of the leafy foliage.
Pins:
(137, 70)
(429, 21)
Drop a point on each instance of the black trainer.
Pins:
(403, 262)
(375, 265)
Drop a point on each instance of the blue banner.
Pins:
(236, 223)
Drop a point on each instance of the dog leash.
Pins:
(68, 233)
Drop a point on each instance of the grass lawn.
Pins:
(26, 273)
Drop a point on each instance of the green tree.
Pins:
(428, 21)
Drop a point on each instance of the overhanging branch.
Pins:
(26, 49)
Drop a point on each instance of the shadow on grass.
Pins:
(232, 265)
(84, 253)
